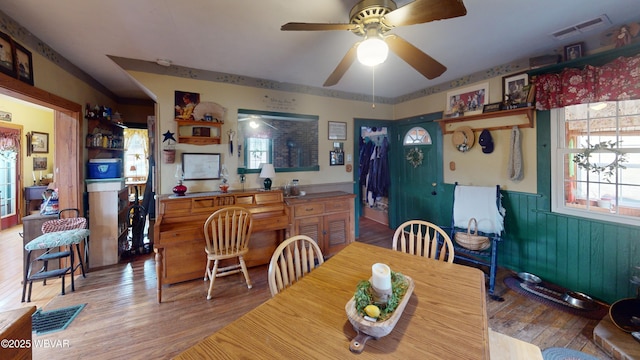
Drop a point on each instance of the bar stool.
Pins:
(56, 233)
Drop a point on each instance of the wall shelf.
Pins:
(524, 115)
(185, 132)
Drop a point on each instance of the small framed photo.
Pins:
(39, 142)
(24, 64)
(515, 88)
(467, 101)
(492, 107)
(336, 158)
(39, 163)
(337, 130)
(7, 62)
(573, 51)
(201, 131)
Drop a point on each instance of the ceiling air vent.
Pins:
(581, 27)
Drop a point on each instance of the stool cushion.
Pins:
(64, 224)
(58, 238)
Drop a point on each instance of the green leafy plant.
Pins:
(583, 159)
(364, 295)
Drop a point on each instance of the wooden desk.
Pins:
(179, 231)
(446, 317)
(33, 193)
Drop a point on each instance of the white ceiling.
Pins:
(243, 37)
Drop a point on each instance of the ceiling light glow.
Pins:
(372, 51)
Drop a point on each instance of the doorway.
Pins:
(67, 152)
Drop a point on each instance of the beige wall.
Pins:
(475, 167)
(233, 97)
(31, 118)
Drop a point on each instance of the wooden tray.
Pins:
(368, 329)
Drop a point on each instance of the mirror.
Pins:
(288, 141)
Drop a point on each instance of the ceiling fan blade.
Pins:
(423, 63)
(298, 26)
(422, 11)
(342, 67)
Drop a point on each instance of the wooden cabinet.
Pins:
(326, 217)
(198, 132)
(108, 204)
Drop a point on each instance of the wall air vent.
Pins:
(581, 27)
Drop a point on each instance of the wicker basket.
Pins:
(472, 241)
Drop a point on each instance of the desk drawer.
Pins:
(181, 235)
(338, 205)
(309, 209)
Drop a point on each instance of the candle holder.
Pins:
(380, 296)
(381, 283)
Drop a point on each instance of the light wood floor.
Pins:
(122, 319)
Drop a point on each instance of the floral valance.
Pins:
(9, 141)
(616, 80)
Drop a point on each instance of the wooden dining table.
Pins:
(445, 318)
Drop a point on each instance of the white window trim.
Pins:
(558, 151)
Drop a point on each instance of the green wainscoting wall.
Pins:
(594, 257)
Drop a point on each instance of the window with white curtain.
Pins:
(596, 160)
(136, 155)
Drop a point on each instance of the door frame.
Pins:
(357, 124)
(68, 153)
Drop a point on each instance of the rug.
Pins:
(557, 353)
(45, 322)
(551, 295)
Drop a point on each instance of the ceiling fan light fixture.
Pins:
(373, 51)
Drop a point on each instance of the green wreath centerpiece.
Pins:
(583, 161)
(415, 156)
(364, 295)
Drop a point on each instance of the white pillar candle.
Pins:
(381, 276)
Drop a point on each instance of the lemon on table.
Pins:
(372, 311)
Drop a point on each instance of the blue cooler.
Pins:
(104, 168)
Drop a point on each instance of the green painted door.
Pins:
(416, 190)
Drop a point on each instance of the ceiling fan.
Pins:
(372, 19)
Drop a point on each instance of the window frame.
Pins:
(558, 152)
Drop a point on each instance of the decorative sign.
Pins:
(5, 116)
(337, 130)
(273, 103)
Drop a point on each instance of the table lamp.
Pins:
(267, 173)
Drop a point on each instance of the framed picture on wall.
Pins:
(7, 55)
(337, 130)
(467, 101)
(200, 166)
(24, 64)
(39, 163)
(39, 142)
(515, 88)
(573, 51)
(336, 158)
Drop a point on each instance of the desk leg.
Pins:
(159, 272)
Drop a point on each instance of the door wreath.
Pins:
(415, 156)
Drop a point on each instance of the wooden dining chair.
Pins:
(293, 258)
(422, 238)
(227, 232)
